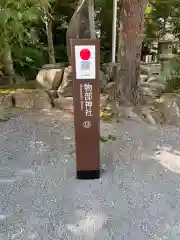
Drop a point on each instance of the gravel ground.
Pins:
(137, 197)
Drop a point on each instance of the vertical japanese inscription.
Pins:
(86, 99)
(81, 97)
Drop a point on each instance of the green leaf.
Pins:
(103, 139)
(3, 18)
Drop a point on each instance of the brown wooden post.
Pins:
(85, 59)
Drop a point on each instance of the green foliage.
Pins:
(157, 14)
(22, 26)
(109, 138)
(104, 16)
(15, 19)
(29, 60)
(173, 82)
(176, 19)
(19, 33)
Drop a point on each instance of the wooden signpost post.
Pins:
(85, 59)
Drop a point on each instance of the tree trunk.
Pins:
(8, 63)
(91, 18)
(48, 23)
(129, 51)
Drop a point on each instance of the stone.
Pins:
(155, 84)
(52, 94)
(157, 111)
(144, 69)
(54, 66)
(66, 86)
(50, 78)
(154, 71)
(152, 88)
(150, 69)
(103, 80)
(166, 54)
(143, 78)
(153, 78)
(109, 89)
(5, 80)
(171, 105)
(19, 79)
(65, 103)
(31, 98)
(81, 25)
(152, 92)
(6, 101)
(104, 100)
(110, 71)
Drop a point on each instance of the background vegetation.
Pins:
(24, 30)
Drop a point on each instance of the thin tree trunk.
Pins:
(48, 23)
(129, 51)
(8, 63)
(91, 18)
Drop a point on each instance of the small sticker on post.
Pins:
(85, 62)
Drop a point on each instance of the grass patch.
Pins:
(11, 88)
(7, 91)
(25, 85)
(103, 139)
(107, 139)
(106, 116)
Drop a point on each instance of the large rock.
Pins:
(6, 101)
(165, 110)
(52, 94)
(109, 89)
(110, 71)
(171, 105)
(32, 99)
(81, 25)
(154, 78)
(65, 103)
(50, 78)
(55, 66)
(103, 81)
(152, 90)
(153, 86)
(5, 80)
(19, 79)
(143, 78)
(104, 100)
(66, 86)
(150, 69)
(152, 113)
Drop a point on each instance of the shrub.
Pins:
(173, 82)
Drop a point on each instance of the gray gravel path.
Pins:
(137, 197)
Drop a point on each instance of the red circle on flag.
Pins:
(85, 54)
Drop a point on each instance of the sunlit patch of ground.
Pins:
(169, 160)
